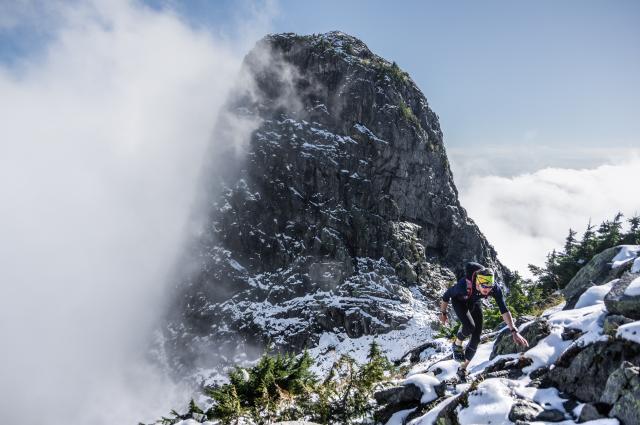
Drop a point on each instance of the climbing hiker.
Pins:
(466, 296)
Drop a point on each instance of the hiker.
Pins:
(466, 295)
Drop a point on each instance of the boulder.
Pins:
(399, 398)
(589, 412)
(571, 334)
(612, 322)
(596, 272)
(551, 415)
(524, 410)
(623, 392)
(403, 394)
(618, 302)
(581, 372)
(507, 368)
(534, 332)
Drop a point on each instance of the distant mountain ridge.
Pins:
(339, 216)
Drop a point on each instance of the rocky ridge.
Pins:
(339, 218)
(582, 366)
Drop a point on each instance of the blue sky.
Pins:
(500, 73)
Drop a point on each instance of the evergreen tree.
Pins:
(570, 243)
(632, 237)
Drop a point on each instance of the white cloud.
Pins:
(104, 134)
(527, 215)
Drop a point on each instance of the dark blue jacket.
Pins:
(459, 292)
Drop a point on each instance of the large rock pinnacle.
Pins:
(336, 216)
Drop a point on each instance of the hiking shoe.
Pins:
(462, 374)
(458, 351)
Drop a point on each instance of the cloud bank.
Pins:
(104, 134)
(527, 215)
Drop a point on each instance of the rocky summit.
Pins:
(336, 215)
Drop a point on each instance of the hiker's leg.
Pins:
(465, 318)
(476, 314)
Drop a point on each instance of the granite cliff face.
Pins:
(339, 216)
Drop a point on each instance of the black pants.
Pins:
(471, 319)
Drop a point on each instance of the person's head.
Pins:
(484, 280)
(471, 268)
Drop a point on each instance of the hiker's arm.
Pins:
(508, 319)
(444, 303)
(443, 312)
(517, 338)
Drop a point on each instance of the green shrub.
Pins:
(282, 388)
(407, 113)
(392, 70)
(450, 330)
(262, 391)
(346, 395)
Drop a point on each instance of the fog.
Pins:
(104, 133)
(528, 214)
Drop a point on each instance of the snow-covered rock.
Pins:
(622, 300)
(596, 272)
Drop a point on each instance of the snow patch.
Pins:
(630, 332)
(633, 289)
(364, 130)
(635, 268)
(547, 350)
(447, 369)
(626, 254)
(489, 404)
(594, 295)
(399, 418)
(430, 417)
(548, 398)
(426, 383)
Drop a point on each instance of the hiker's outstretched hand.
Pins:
(443, 318)
(519, 339)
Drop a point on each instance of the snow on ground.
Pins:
(627, 253)
(594, 422)
(545, 397)
(399, 418)
(490, 403)
(547, 350)
(426, 383)
(393, 344)
(492, 400)
(481, 360)
(548, 312)
(630, 331)
(445, 370)
(635, 268)
(634, 288)
(588, 319)
(430, 416)
(594, 295)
